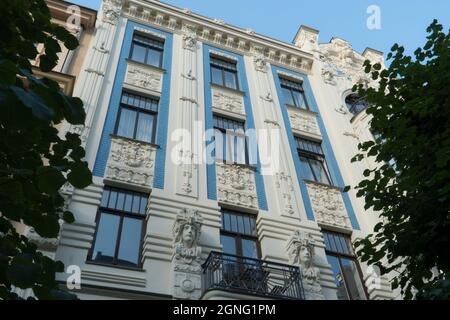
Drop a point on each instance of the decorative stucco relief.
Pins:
(303, 121)
(131, 162)
(111, 11)
(187, 254)
(328, 205)
(236, 185)
(286, 189)
(228, 101)
(300, 248)
(144, 78)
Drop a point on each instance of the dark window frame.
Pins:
(122, 214)
(222, 69)
(148, 47)
(350, 256)
(238, 237)
(233, 134)
(292, 85)
(317, 156)
(353, 101)
(138, 111)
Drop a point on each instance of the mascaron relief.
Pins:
(227, 101)
(300, 248)
(111, 10)
(328, 205)
(303, 121)
(144, 78)
(131, 162)
(187, 254)
(236, 185)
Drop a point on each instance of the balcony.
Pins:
(246, 276)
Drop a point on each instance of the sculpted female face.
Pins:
(305, 255)
(189, 234)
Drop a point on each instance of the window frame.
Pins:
(350, 256)
(222, 71)
(320, 157)
(147, 46)
(356, 99)
(235, 135)
(138, 111)
(122, 214)
(238, 237)
(291, 89)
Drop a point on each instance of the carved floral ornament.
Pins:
(218, 34)
(189, 37)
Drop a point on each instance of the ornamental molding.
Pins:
(303, 121)
(340, 61)
(186, 261)
(328, 206)
(290, 76)
(283, 182)
(131, 162)
(111, 10)
(149, 32)
(223, 55)
(301, 252)
(189, 37)
(143, 77)
(216, 32)
(227, 101)
(236, 185)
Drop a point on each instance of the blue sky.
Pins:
(402, 21)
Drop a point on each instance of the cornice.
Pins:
(58, 10)
(218, 33)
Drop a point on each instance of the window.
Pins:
(345, 266)
(224, 73)
(312, 161)
(147, 50)
(137, 117)
(293, 93)
(120, 224)
(230, 140)
(355, 104)
(238, 234)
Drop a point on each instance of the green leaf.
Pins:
(50, 179)
(79, 175)
(68, 217)
(8, 73)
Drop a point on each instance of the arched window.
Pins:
(355, 103)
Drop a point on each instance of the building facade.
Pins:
(219, 159)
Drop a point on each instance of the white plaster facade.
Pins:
(331, 69)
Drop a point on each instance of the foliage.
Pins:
(34, 161)
(410, 187)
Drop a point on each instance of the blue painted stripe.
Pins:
(249, 123)
(326, 146)
(113, 108)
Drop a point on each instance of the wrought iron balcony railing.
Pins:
(227, 272)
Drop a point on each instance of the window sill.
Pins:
(115, 266)
(146, 65)
(218, 86)
(301, 109)
(154, 145)
(324, 184)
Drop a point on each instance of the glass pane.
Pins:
(120, 200)
(249, 248)
(298, 99)
(319, 171)
(154, 57)
(138, 53)
(240, 220)
(105, 196)
(228, 244)
(145, 127)
(219, 144)
(112, 199)
(106, 238)
(136, 203)
(306, 169)
(233, 223)
(230, 79)
(354, 283)
(143, 205)
(126, 123)
(338, 278)
(128, 201)
(287, 96)
(130, 242)
(240, 150)
(216, 76)
(248, 228)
